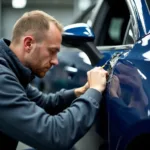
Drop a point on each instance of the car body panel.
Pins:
(127, 94)
(126, 98)
(142, 16)
(131, 106)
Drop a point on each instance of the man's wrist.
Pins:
(79, 91)
(98, 89)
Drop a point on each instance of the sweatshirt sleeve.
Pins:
(24, 121)
(52, 103)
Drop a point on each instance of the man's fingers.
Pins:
(98, 69)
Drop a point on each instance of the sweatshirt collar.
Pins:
(23, 73)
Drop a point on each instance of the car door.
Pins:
(124, 112)
(124, 108)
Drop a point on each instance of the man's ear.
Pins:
(28, 43)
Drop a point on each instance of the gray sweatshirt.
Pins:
(43, 121)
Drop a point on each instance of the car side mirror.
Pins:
(75, 34)
(81, 36)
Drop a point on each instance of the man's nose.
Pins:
(54, 61)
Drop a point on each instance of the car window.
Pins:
(129, 35)
(114, 30)
(85, 15)
(148, 4)
(111, 23)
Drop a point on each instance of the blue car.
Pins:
(116, 37)
(123, 121)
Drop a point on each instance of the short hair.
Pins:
(35, 22)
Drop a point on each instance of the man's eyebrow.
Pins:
(54, 48)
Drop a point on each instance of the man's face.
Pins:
(43, 55)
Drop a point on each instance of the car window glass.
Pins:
(114, 24)
(85, 15)
(148, 4)
(129, 36)
(115, 29)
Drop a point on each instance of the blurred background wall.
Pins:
(63, 10)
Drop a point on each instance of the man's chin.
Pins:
(41, 74)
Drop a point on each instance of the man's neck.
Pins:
(17, 51)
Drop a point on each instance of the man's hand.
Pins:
(97, 78)
(81, 90)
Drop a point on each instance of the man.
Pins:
(28, 115)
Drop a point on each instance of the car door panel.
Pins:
(126, 96)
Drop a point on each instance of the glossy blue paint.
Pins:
(142, 16)
(131, 73)
(125, 108)
(78, 30)
(127, 97)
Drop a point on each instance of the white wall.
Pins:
(10, 15)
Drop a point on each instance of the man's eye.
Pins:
(52, 52)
